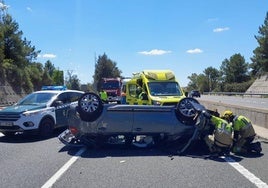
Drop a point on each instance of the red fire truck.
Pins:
(112, 86)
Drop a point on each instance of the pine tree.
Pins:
(260, 57)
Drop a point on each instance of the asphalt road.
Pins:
(251, 102)
(31, 162)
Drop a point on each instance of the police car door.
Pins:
(61, 109)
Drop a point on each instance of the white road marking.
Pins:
(63, 169)
(251, 177)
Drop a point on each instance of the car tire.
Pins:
(185, 111)
(46, 128)
(89, 107)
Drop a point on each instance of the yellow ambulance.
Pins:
(153, 87)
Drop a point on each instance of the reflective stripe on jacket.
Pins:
(244, 126)
(223, 132)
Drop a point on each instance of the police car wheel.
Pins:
(89, 107)
(185, 111)
(46, 128)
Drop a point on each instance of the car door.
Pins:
(62, 104)
(153, 119)
(117, 119)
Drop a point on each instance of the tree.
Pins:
(50, 68)
(57, 77)
(259, 60)
(104, 68)
(19, 50)
(198, 82)
(54, 74)
(212, 76)
(46, 79)
(235, 69)
(16, 54)
(72, 81)
(193, 82)
(36, 74)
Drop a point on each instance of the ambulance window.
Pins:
(132, 90)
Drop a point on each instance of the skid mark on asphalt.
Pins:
(63, 169)
(251, 177)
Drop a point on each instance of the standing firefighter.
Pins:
(221, 140)
(244, 132)
(103, 96)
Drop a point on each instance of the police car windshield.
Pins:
(37, 99)
(164, 88)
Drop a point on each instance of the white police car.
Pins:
(39, 112)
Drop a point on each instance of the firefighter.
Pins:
(103, 96)
(220, 141)
(244, 132)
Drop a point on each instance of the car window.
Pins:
(132, 90)
(36, 98)
(74, 96)
(63, 97)
(123, 88)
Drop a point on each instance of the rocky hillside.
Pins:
(7, 94)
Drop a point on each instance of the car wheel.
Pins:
(185, 110)
(89, 107)
(46, 128)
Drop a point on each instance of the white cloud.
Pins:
(29, 9)
(3, 6)
(212, 19)
(194, 51)
(155, 52)
(221, 29)
(49, 56)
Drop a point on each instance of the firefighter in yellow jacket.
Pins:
(244, 132)
(221, 140)
(104, 96)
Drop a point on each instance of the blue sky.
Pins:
(185, 36)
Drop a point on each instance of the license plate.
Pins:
(8, 123)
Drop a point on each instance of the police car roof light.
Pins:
(54, 88)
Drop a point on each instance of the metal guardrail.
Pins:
(5, 104)
(260, 94)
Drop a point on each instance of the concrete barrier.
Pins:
(257, 116)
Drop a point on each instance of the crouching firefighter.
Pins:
(244, 133)
(220, 141)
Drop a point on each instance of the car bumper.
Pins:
(67, 138)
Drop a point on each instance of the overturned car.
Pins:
(94, 123)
